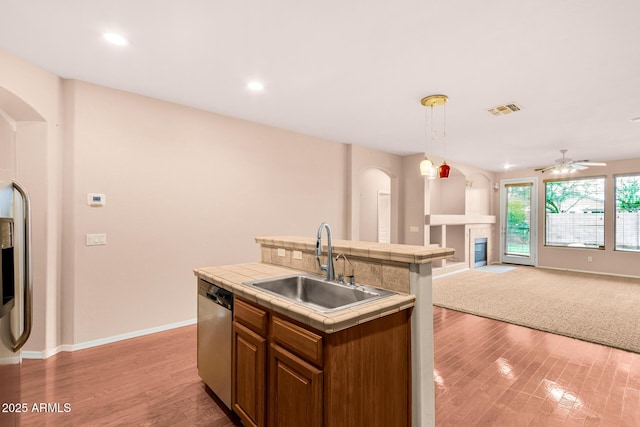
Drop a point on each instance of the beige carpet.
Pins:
(591, 307)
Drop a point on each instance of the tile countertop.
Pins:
(410, 254)
(230, 277)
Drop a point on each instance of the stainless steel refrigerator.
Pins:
(15, 276)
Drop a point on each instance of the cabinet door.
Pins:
(249, 375)
(295, 391)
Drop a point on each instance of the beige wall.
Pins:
(415, 200)
(603, 261)
(184, 188)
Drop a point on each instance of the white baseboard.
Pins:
(11, 360)
(449, 274)
(41, 354)
(102, 341)
(590, 272)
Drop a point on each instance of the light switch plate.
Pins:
(281, 252)
(414, 228)
(96, 239)
(96, 200)
(297, 254)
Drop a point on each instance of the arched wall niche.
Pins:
(459, 212)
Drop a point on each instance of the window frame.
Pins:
(615, 211)
(604, 211)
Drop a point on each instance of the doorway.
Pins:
(384, 217)
(375, 217)
(519, 221)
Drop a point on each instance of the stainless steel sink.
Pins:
(319, 294)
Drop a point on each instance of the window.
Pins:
(575, 213)
(627, 189)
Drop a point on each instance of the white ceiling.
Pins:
(354, 71)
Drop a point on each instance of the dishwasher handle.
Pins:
(217, 295)
(213, 297)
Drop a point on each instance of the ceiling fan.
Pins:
(566, 165)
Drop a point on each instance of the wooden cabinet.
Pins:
(295, 391)
(249, 369)
(359, 376)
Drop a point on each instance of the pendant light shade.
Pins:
(426, 166)
(443, 170)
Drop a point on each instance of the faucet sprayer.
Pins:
(341, 276)
(328, 267)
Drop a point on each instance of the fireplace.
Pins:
(480, 257)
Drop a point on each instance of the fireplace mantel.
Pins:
(459, 219)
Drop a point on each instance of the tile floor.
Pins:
(491, 373)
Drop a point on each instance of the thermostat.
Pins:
(96, 200)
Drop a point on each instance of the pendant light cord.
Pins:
(445, 131)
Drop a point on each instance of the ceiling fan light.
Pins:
(565, 165)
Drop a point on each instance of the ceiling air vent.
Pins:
(505, 109)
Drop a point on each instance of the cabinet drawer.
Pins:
(250, 316)
(298, 340)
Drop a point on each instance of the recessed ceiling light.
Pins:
(116, 39)
(507, 166)
(255, 86)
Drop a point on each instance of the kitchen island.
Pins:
(402, 268)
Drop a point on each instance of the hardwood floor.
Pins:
(150, 380)
(487, 373)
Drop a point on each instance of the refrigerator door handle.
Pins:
(28, 285)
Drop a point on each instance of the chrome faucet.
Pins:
(328, 267)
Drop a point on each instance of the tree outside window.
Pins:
(627, 190)
(518, 219)
(575, 212)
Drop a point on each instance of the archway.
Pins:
(22, 129)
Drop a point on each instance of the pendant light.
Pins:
(444, 169)
(426, 166)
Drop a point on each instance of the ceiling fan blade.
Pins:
(578, 166)
(588, 163)
(544, 169)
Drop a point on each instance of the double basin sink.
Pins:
(318, 294)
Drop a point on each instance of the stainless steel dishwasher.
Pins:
(215, 315)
